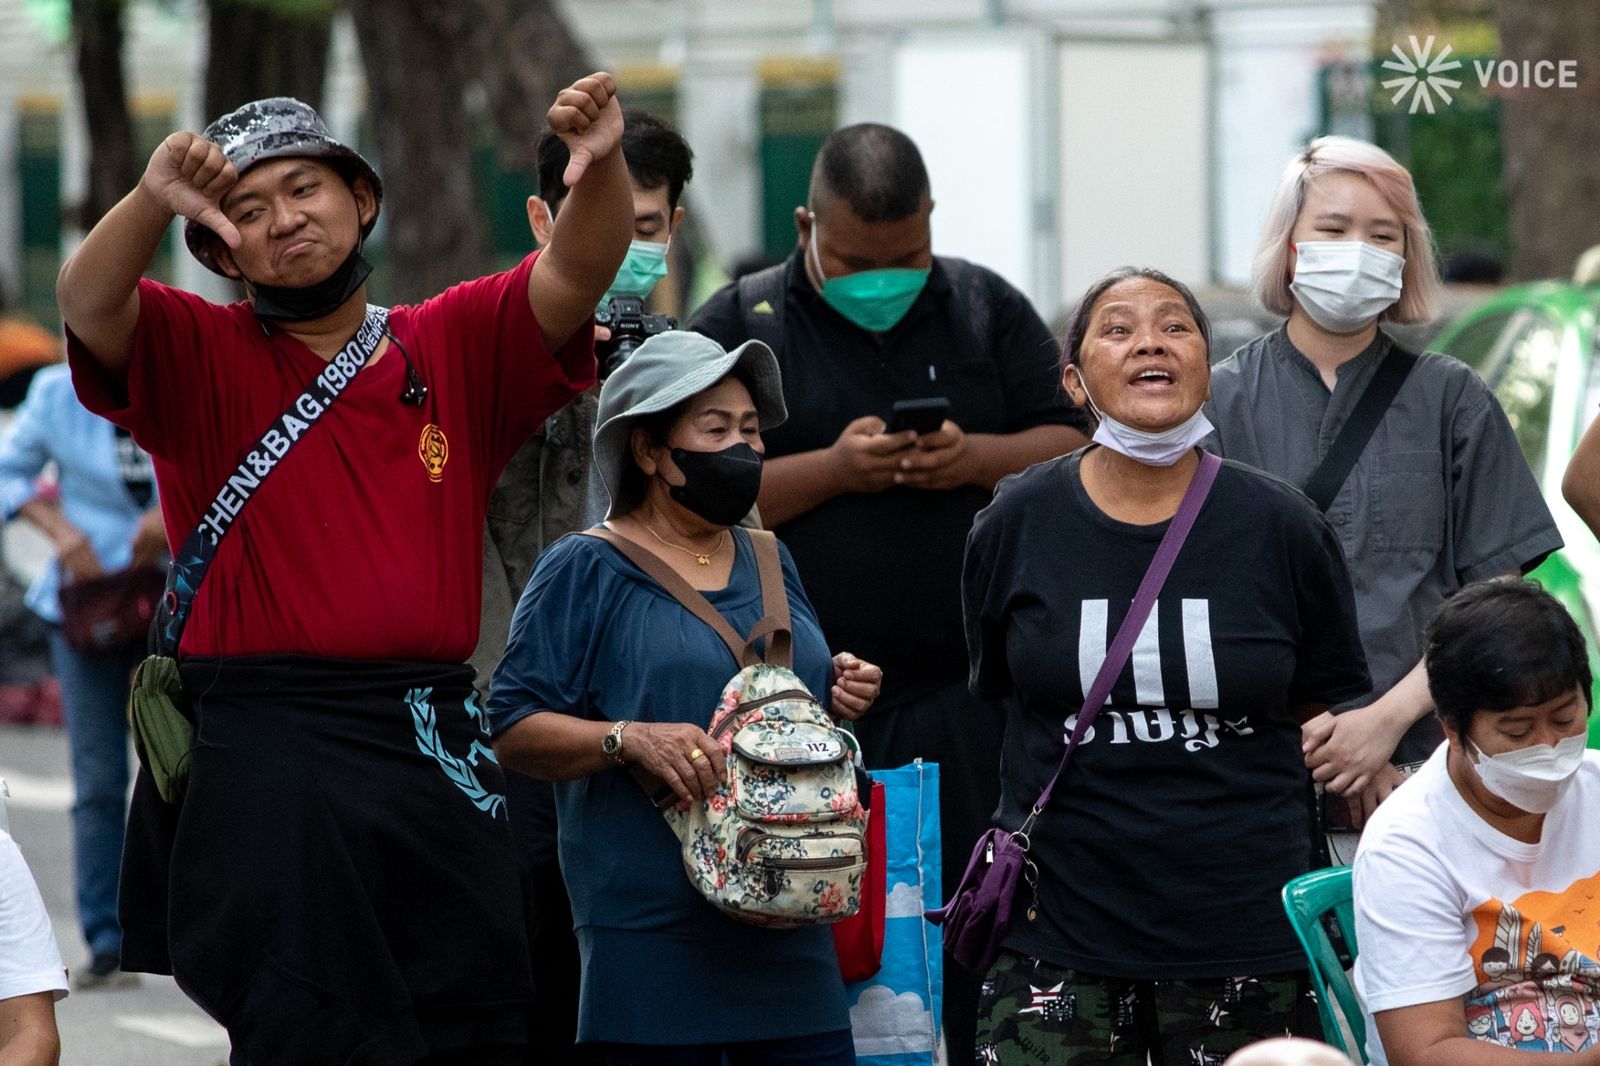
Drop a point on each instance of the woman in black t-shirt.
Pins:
(1158, 930)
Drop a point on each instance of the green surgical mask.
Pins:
(875, 300)
(643, 266)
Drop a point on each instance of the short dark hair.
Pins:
(1078, 323)
(1499, 645)
(876, 169)
(656, 154)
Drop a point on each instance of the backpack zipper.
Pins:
(742, 709)
(750, 837)
(832, 862)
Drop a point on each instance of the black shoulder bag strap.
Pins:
(1330, 474)
(190, 563)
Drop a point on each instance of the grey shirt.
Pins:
(1440, 497)
(542, 495)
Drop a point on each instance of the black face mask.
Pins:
(314, 301)
(720, 487)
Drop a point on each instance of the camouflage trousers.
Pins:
(1031, 1012)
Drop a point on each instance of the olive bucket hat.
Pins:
(663, 372)
(276, 128)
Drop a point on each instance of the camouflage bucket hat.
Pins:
(276, 128)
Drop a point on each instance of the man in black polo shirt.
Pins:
(862, 314)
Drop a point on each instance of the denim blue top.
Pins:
(595, 638)
(51, 426)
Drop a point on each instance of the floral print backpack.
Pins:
(783, 841)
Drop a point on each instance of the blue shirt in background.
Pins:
(51, 426)
(596, 638)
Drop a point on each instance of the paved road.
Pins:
(150, 1025)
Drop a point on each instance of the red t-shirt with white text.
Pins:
(366, 542)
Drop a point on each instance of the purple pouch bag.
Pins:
(978, 916)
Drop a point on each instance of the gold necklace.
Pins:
(703, 559)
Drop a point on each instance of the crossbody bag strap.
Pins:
(775, 623)
(1329, 476)
(1144, 600)
(193, 559)
(680, 590)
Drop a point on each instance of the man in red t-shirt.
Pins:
(339, 877)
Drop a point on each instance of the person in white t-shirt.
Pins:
(32, 978)
(1477, 885)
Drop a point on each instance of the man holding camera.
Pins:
(547, 491)
(334, 879)
(874, 503)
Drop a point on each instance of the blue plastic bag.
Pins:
(895, 1015)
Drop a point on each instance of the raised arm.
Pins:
(98, 288)
(592, 232)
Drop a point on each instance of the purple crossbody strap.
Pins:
(1143, 602)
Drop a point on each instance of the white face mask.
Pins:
(1162, 448)
(1531, 779)
(1344, 285)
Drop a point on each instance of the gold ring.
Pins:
(696, 754)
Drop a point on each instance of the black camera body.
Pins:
(624, 315)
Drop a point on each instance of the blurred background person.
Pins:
(1440, 495)
(106, 521)
(1288, 1051)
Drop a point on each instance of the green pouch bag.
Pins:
(163, 732)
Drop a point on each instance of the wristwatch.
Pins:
(612, 744)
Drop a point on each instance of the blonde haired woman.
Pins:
(1438, 495)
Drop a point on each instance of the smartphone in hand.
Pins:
(924, 416)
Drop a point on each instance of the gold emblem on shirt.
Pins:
(434, 450)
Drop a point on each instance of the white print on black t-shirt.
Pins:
(1197, 730)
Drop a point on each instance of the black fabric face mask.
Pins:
(314, 301)
(720, 487)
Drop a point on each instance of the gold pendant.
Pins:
(703, 560)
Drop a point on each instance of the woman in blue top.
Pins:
(605, 668)
(106, 521)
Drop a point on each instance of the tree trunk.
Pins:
(525, 55)
(113, 170)
(416, 57)
(254, 50)
(1550, 135)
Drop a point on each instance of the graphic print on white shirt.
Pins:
(1537, 975)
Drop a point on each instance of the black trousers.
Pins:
(553, 948)
(946, 724)
(338, 885)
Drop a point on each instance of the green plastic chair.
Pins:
(1309, 899)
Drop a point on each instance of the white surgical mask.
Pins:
(1531, 779)
(1162, 448)
(1344, 285)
